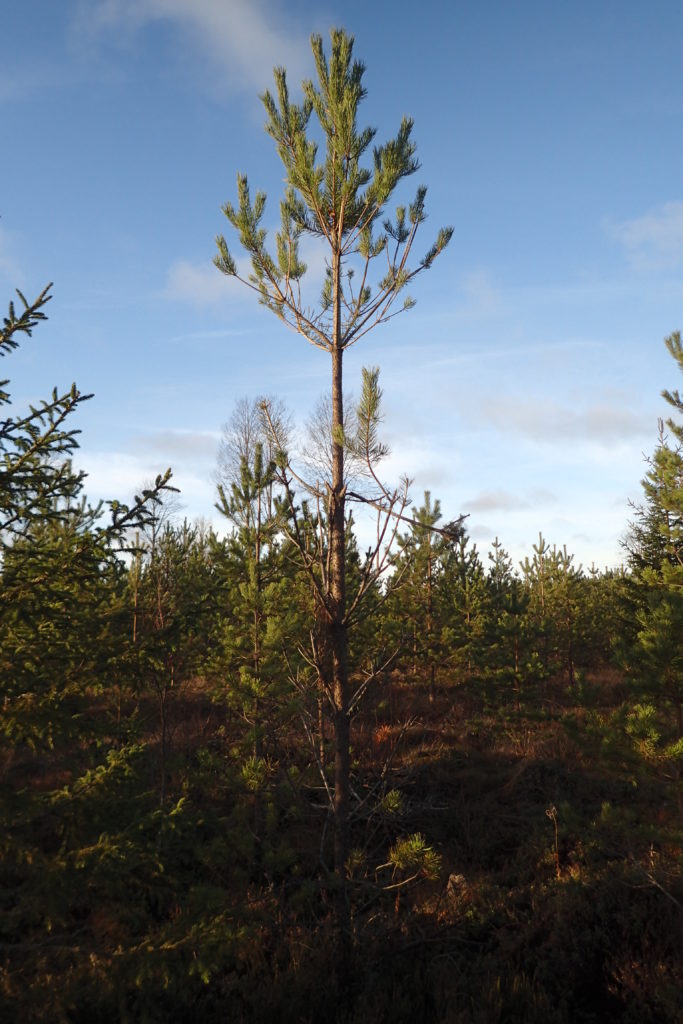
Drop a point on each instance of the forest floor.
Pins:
(560, 896)
(555, 895)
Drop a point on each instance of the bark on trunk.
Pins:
(338, 642)
(337, 638)
(430, 622)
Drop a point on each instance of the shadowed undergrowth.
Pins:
(553, 891)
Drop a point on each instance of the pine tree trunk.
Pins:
(321, 732)
(163, 742)
(430, 622)
(257, 631)
(338, 646)
(336, 627)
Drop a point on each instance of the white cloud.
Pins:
(201, 283)
(417, 458)
(204, 285)
(480, 532)
(181, 445)
(21, 80)
(115, 474)
(544, 421)
(655, 240)
(204, 335)
(120, 475)
(481, 297)
(9, 264)
(313, 252)
(500, 500)
(244, 38)
(487, 501)
(541, 496)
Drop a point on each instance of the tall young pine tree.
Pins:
(337, 198)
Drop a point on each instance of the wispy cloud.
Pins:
(480, 296)
(313, 252)
(653, 241)
(542, 496)
(180, 445)
(122, 474)
(204, 335)
(499, 500)
(480, 532)
(204, 285)
(549, 422)
(487, 501)
(9, 262)
(23, 80)
(201, 283)
(116, 474)
(244, 39)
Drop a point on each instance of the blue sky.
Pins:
(522, 389)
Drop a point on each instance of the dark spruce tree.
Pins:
(655, 545)
(36, 476)
(63, 629)
(58, 562)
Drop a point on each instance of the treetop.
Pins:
(336, 198)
